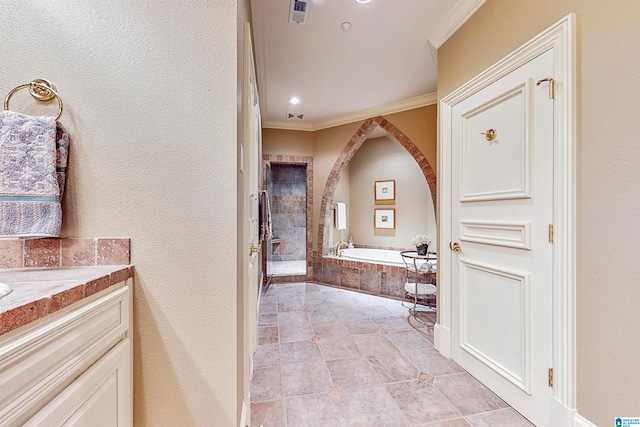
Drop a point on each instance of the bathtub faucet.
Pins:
(338, 251)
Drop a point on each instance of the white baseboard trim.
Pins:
(442, 339)
(580, 421)
(244, 422)
(561, 415)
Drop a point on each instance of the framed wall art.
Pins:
(384, 219)
(385, 192)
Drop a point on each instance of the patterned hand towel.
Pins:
(33, 158)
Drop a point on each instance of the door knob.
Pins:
(254, 249)
(490, 134)
(455, 247)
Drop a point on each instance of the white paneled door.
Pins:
(502, 208)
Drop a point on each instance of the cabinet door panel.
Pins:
(35, 366)
(101, 397)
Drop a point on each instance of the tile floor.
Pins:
(331, 357)
(279, 268)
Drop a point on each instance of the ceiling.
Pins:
(385, 63)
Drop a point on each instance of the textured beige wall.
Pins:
(292, 142)
(382, 159)
(151, 107)
(327, 146)
(420, 126)
(608, 176)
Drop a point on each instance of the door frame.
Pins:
(561, 37)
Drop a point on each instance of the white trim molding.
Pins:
(391, 108)
(580, 421)
(461, 12)
(561, 38)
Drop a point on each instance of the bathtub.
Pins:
(373, 256)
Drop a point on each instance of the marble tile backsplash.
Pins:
(66, 252)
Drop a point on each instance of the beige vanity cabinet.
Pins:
(72, 368)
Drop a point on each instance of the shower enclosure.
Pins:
(287, 250)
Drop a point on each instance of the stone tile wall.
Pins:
(374, 279)
(288, 211)
(70, 252)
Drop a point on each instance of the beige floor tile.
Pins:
(329, 329)
(353, 372)
(371, 406)
(305, 378)
(267, 335)
(338, 348)
(268, 414)
(295, 333)
(467, 394)
(431, 362)
(393, 367)
(299, 351)
(266, 384)
(316, 410)
(421, 402)
(504, 417)
(324, 358)
(267, 355)
(372, 344)
(409, 340)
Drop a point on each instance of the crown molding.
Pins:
(461, 12)
(287, 125)
(342, 119)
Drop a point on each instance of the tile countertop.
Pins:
(38, 292)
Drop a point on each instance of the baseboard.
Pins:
(442, 339)
(580, 421)
(561, 415)
(244, 422)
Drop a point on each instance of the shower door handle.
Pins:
(254, 249)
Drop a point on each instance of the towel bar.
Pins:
(40, 89)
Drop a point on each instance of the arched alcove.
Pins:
(346, 155)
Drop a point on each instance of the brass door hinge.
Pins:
(552, 86)
(550, 233)
(550, 377)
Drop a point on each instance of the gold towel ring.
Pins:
(40, 89)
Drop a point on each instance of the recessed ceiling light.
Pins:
(362, 1)
(294, 100)
(345, 26)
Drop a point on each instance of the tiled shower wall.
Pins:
(288, 192)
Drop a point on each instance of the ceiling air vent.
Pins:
(298, 11)
(291, 116)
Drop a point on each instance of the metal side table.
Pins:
(417, 289)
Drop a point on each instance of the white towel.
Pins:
(341, 216)
(425, 267)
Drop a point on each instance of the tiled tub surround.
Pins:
(376, 279)
(334, 357)
(66, 252)
(38, 292)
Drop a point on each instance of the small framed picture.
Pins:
(385, 192)
(384, 219)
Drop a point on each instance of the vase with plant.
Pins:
(421, 242)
